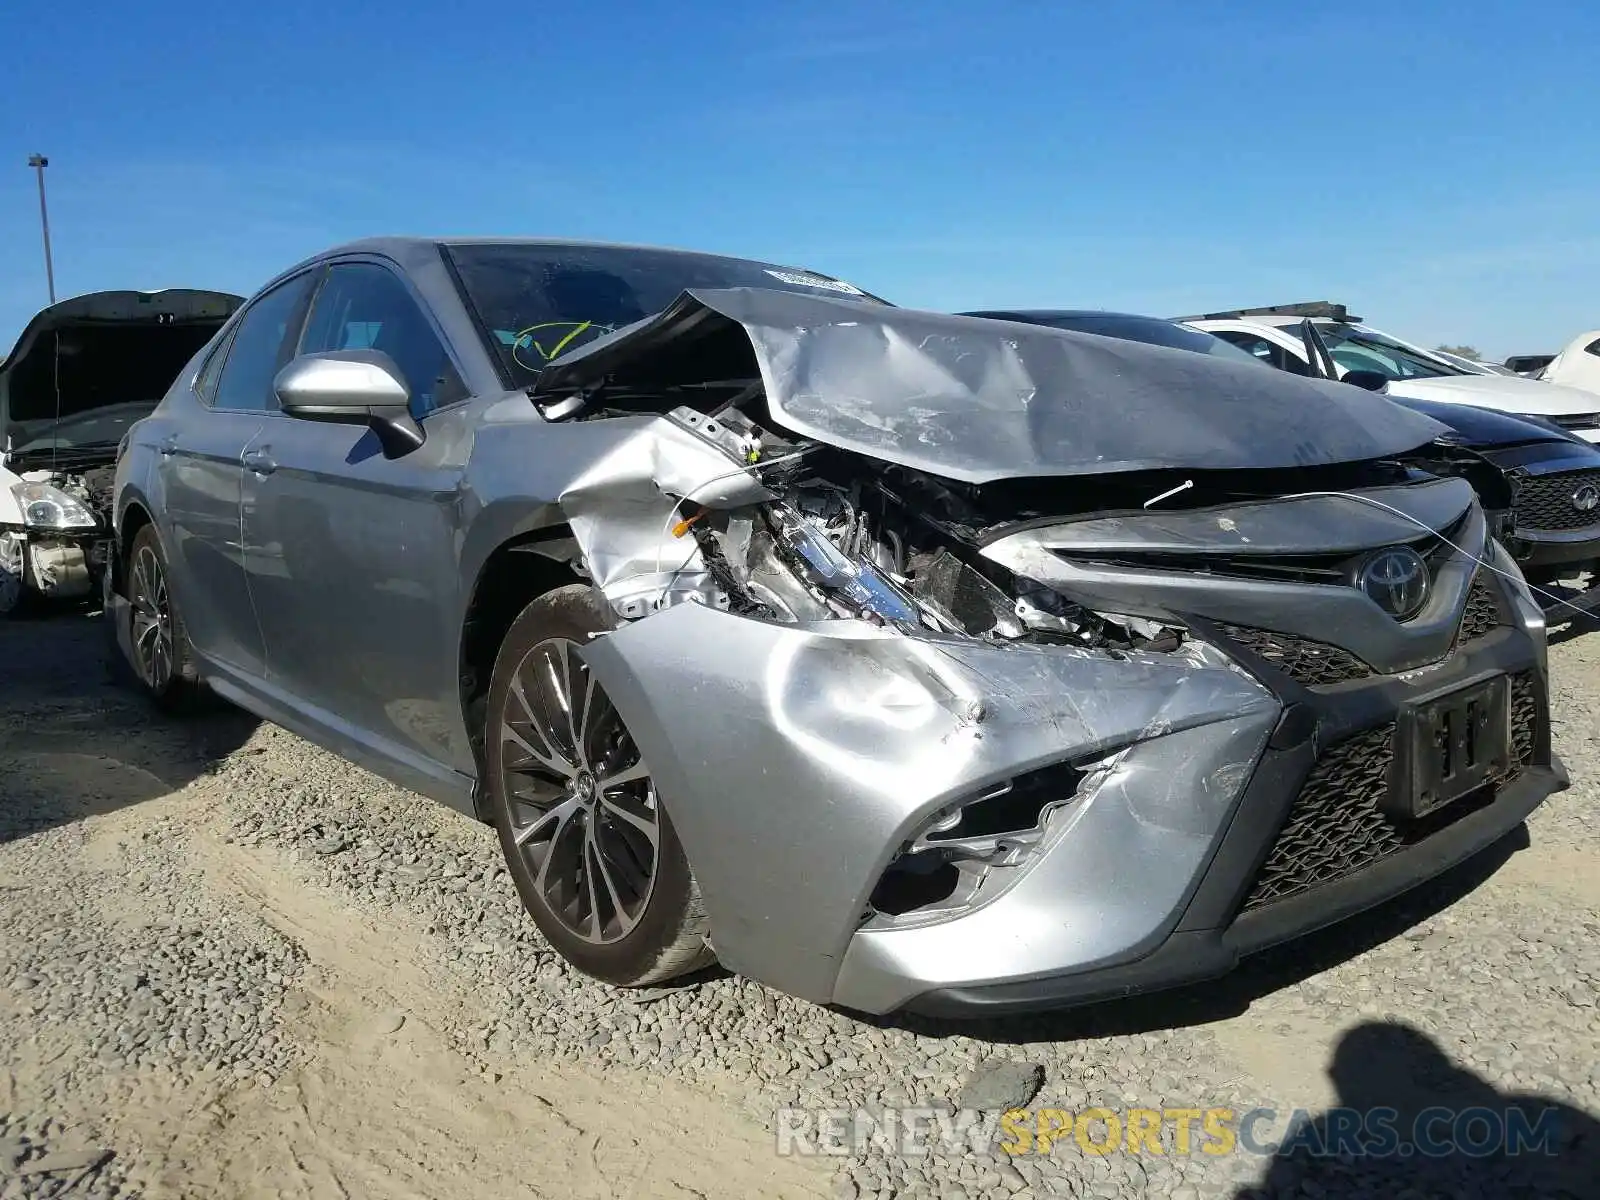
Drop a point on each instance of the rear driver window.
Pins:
(258, 348)
(205, 384)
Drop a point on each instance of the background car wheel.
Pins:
(163, 663)
(587, 841)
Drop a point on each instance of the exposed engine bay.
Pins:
(842, 536)
(82, 373)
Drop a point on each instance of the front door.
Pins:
(347, 551)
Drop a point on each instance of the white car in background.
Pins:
(1471, 365)
(1273, 334)
(1578, 366)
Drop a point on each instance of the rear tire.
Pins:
(586, 839)
(163, 661)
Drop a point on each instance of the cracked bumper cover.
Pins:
(796, 762)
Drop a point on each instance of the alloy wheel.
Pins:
(584, 812)
(152, 619)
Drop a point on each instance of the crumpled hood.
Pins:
(978, 400)
(1508, 393)
(85, 367)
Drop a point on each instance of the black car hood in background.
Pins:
(980, 400)
(1484, 427)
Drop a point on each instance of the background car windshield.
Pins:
(1362, 350)
(1148, 329)
(538, 302)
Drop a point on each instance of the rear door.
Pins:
(350, 554)
(201, 479)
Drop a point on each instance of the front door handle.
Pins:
(259, 461)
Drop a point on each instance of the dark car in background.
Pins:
(1539, 483)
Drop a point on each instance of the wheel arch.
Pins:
(134, 515)
(515, 573)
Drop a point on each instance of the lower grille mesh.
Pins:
(1301, 659)
(1337, 827)
(1482, 614)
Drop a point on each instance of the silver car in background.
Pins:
(892, 658)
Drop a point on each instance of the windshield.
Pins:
(536, 302)
(1152, 330)
(1357, 349)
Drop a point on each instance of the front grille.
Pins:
(1545, 501)
(1316, 664)
(1337, 826)
(1301, 659)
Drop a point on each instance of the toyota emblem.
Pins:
(1396, 580)
(1586, 498)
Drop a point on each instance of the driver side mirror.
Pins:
(352, 387)
(1373, 381)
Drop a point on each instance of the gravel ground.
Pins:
(239, 966)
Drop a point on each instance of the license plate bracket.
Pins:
(1449, 744)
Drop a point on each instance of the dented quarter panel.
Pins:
(794, 760)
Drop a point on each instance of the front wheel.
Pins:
(586, 839)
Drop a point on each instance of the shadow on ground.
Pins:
(1411, 1123)
(74, 742)
(1256, 977)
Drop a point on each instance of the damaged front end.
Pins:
(931, 727)
(54, 534)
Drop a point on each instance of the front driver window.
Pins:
(363, 306)
(258, 348)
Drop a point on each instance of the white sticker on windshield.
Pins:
(801, 279)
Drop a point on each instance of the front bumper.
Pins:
(1541, 551)
(798, 762)
(1306, 846)
(59, 564)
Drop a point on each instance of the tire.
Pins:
(163, 661)
(577, 846)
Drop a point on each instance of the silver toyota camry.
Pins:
(895, 659)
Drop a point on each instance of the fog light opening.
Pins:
(915, 881)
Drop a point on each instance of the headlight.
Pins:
(47, 507)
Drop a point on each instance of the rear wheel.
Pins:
(162, 660)
(588, 843)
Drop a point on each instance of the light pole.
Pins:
(39, 162)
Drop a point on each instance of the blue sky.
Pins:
(1434, 165)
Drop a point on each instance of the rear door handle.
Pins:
(259, 461)
(168, 445)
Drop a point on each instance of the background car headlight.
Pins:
(47, 507)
